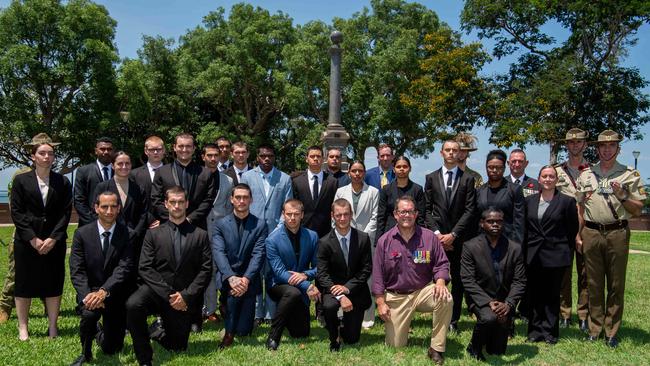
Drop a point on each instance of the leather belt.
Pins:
(622, 224)
(402, 292)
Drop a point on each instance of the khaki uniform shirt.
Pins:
(478, 180)
(565, 182)
(594, 191)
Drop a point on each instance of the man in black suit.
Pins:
(101, 267)
(240, 162)
(154, 149)
(199, 183)
(88, 176)
(492, 270)
(315, 189)
(334, 166)
(451, 201)
(175, 267)
(517, 163)
(344, 265)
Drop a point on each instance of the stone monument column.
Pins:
(335, 134)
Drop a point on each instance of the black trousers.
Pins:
(457, 289)
(177, 324)
(351, 330)
(489, 332)
(111, 337)
(291, 313)
(544, 284)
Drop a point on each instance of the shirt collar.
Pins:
(347, 236)
(151, 167)
(521, 179)
(102, 230)
(310, 175)
(101, 166)
(267, 175)
(453, 170)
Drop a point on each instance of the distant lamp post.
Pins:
(636, 157)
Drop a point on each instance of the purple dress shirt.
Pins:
(403, 267)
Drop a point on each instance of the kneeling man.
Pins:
(344, 266)
(101, 269)
(175, 268)
(291, 251)
(410, 273)
(238, 252)
(492, 271)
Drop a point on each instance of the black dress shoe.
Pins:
(335, 346)
(584, 326)
(453, 327)
(80, 360)
(550, 340)
(435, 356)
(475, 354)
(272, 344)
(565, 323)
(156, 330)
(611, 342)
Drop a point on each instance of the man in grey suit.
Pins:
(270, 188)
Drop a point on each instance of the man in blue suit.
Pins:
(270, 188)
(383, 174)
(238, 253)
(291, 252)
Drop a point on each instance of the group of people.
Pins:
(250, 245)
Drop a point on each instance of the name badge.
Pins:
(421, 256)
(605, 190)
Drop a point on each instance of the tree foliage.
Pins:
(57, 76)
(558, 84)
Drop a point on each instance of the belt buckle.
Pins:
(602, 227)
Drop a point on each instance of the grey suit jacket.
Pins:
(268, 208)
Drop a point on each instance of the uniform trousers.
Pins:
(7, 295)
(352, 319)
(177, 324)
(291, 312)
(403, 308)
(605, 255)
(566, 300)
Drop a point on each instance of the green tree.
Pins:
(558, 84)
(56, 76)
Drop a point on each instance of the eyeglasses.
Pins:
(155, 150)
(406, 212)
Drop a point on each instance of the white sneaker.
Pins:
(367, 324)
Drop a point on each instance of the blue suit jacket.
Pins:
(373, 177)
(282, 258)
(268, 209)
(235, 256)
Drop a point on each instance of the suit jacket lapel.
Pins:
(363, 199)
(273, 182)
(115, 240)
(487, 255)
(455, 184)
(353, 249)
(440, 179)
(550, 210)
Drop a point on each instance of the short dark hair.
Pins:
(496, 154)
(404, 158)
(241, 186)
(489, 210)
(104, 139)
(314, 147)
(341, 202)
(209, 145)
(107, 193)
(223, 138)
(175, 190)
(293, 201)
(407, 198)
(265, 146)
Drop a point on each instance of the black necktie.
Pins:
(106, 242)
(315, 188)
(177, 245)
(239, 174)
(450, 180)
(105, 170)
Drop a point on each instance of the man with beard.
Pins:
(88, 176)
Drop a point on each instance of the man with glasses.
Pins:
(410, 273)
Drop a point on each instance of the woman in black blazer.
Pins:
(134, 203)
(499, 193)
(41, 202)
(401, 186)
(551, 227)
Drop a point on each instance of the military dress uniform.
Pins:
(567, 184)
(606, 238)
(467, 143)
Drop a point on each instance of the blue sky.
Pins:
(172, 18)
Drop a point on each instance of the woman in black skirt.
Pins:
(41, 202)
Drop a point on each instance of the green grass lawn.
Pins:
(571, 350)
